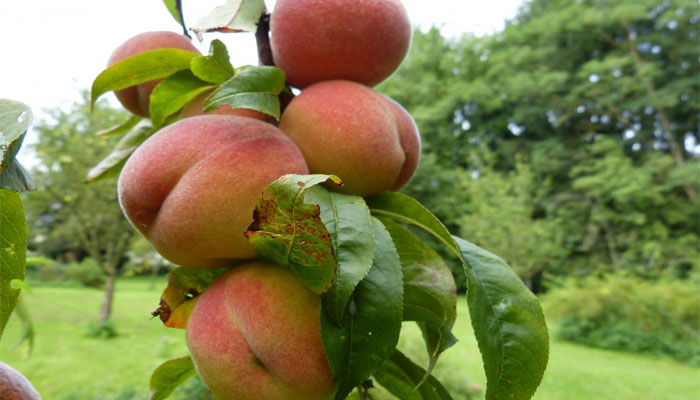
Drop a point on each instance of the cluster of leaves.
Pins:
(15, 119)
(186, 76)
(353, 252)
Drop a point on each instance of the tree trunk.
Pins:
(106, 311)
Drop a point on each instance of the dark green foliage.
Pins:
(564, 143)
(369, 330)
(622, 312)
(101, 329)
(86, 273)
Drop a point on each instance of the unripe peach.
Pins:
(137, 98)
(358, 40)
(355, 132)
(191, 188)
(255, 334)
(196, 107)
(14, 386)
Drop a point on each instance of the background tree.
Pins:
(600, 99)
(67, 217)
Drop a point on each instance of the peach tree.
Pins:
(299, 260)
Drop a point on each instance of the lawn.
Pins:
(68, 365)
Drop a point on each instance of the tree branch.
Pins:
(262, 39)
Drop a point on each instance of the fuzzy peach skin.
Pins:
(358, 40)
(137, 98)
(255, 334)
(191, 188)
(196, 107)
(355, 132)
(14, 386)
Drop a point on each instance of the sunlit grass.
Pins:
(68, 365)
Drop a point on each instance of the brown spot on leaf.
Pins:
(255, 225)
(191, 294)
(163, 311)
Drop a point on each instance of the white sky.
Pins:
(50, 49)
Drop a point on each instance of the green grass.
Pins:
(68, 365)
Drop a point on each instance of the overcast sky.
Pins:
(51, 49)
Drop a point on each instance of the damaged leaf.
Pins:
(233, 16)
(180, 296)
(287, 230)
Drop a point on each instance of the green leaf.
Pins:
(215, 68)
(348, 221)
(16, 178)
(508, 323)
(233, 16)
(370, 328)
(20, 284)
(404, 379)
(112, 164)
(286, 230)
(430, 293)
(33, 261)
(122, 128)
(140, 68)
(180, 296)
(22, 312)
(507, 319)
(173, 93)
(175, 9)
(256, 88)
(15, 118)
(403, 208)
(13, 249)
(168, 376)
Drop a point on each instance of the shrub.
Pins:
(55, 272)
(101, 329)
(622, 312)
(87, 273)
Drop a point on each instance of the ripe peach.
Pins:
(137, 98)
(196, 107)
(255, 334)
(355, 132)
(358, 40)
(14, 386)
(191, 188)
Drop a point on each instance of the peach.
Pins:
(255, 334)
(358, 40)
(196, 107)
(355, 132)
(14, 386)
(191, 188)
(137, 98)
